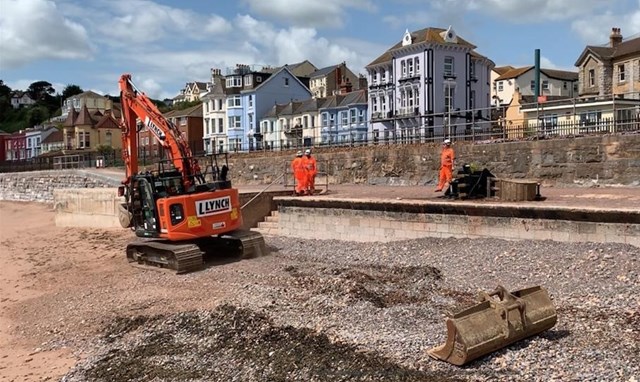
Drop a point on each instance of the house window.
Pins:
(533, 86)
(417, 63)
(449, 66)
(345, 118)
(286, 82)
(472, 69)
(235, 122)
(234, 102)
(109, 138)
(410, 98)
(621, 74)
(410, 67)
(592, 77)
(220, 104)
(549, 121)
(272, 126)
(234, 82)
(247, 80)
(403, 66)
(500, 86)
(206, 126)
(325, 119)
(383, 75)
(590, 118)
(353, 115)
(250, 121)
(361, 115)
(416, 96)
(374, 104)
(220, 125)
(383, 103)
(250, 100)
(403, 99)
(206, 107)
(564, 85)
(448, 98)
(472, 100)
(332, 119)
(545, 85)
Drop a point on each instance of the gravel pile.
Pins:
(343, 311)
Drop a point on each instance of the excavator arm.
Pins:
(136, 106)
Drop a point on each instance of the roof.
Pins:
(108, 121)
(54, 137)
(84, 117)
(87, 94)
(71, 118)
(275, 111)
(354, 98)
(426, 35)
(274, 75)
(502, 69)
(606, 53)
(551, 73)
(323, 71)
(193, 111)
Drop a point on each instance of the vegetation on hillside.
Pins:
(48, 104)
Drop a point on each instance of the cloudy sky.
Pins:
(165, 43)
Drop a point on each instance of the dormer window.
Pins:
(406, 39)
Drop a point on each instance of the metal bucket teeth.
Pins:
(498, 320)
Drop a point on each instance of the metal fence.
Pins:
(475, 126)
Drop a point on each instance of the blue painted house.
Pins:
(343, 117)
(259, 91)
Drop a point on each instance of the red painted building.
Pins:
(3, 150)
(15, 146)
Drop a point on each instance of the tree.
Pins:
(71, 90)
(40, 90)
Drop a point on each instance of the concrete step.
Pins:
(266, 231)
(275, 213)
(272, 225)
(272, 218)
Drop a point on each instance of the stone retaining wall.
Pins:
(607, 159)
(39, 186)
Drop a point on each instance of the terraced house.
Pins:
(432, 83)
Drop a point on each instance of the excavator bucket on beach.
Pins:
(499, 319)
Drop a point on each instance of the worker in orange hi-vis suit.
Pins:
(312, 170)
(299, 173)
(447, 157)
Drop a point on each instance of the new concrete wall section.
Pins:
(367, 221)
(98, 207)
(86, 207)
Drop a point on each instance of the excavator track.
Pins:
(250, 243)
(185, 257)
(163, 255)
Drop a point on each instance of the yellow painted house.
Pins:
(87, 130)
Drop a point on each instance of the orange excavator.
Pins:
(177, 220)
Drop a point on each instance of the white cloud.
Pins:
(144, 21)
(32, 30)
(294, 44)
(420, 18)
(595, 29)
(527, 12)
(309, 13)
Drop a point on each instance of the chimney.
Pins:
(615, 37)
(345, 86)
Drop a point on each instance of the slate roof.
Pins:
(551, 73)
(323, 71)
(71, 118)
(426, 35)
(193, 111)
(54, 137)
(605, 53)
